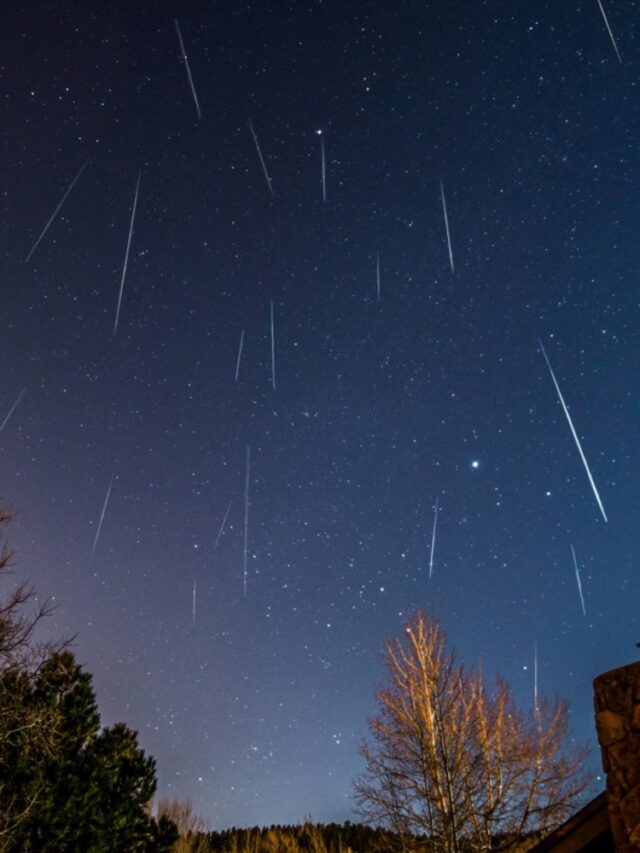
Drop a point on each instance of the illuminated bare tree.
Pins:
(449, 759)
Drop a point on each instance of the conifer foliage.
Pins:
(65, 784)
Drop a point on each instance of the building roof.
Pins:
(588, 831)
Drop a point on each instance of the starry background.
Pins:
(438, 390)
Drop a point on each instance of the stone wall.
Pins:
(617, 705)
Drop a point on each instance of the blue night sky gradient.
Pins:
(438, 391)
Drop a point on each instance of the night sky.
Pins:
(522, 118)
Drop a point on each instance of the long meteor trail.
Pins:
(56, 211)
(12, 409)
(578, 581)
(263, 164)
(446, 225)
(273, 351)
(433, 538)
(606, 23)
(126, 256)
(186, 65)
(573, 431)
(246, 521)
(104, 509)
(324, 169)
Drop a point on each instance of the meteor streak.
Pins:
(578, 581)
(126, 256)
(324, 169)
(446, 225)
(606, 23)
(186, 65)
(273, 351)
(535, 678)
(104, 509)
(56, 211)
(573, 431)
(246, 521)
(239, 355)
(222, 526)
(12, 409)
(433, 538)
(263, 164)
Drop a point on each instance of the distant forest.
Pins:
(311, 838)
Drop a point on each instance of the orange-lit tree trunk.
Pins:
(457, 763)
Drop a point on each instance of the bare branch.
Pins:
(449, 759)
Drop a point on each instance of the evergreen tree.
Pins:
(64, 784)
(95, 786)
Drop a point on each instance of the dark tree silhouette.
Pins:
(65, 785)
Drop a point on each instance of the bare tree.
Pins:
(24, 725)
(449, 759)
(20, 613)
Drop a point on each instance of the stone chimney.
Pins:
(617, 704)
